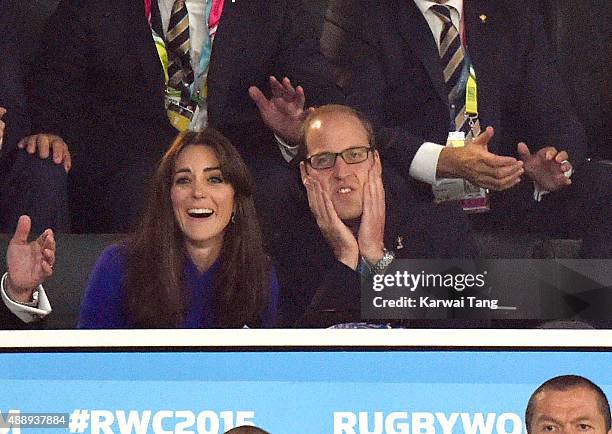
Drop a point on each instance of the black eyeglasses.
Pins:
(325, 160)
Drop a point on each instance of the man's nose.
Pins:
(341, 168)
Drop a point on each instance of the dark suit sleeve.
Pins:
(12, 98)
(9, 321)
(545, 98)
(60, 74)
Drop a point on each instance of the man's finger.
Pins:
(550, 153)
(288, 87)
(484, 137)
(58, 146)
(494, 160)
(47, 269)
(2, 111)
(300, 96)
(22, 231)
(67, 161)
(561, 157)
(31, 144)
(523, 149)
(277, 88)
(259, 98)
(48, 239)
(49, 256)
(43, 145)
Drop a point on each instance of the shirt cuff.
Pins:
(289, 152)
(425, 162)
(539, 193)
(25, 313)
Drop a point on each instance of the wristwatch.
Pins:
(383, 263)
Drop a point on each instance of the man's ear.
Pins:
(303, 171)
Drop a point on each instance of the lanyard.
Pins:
(212, 16)
(471, 87)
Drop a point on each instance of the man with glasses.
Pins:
(358, 223)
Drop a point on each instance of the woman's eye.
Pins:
(217, 179)
(182, 180)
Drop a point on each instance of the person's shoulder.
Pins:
(113, 256)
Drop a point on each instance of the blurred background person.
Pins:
(32, 180)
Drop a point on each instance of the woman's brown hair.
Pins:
(157, 256)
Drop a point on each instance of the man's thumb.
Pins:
(23, 230)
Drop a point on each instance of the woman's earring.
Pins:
(233, 218)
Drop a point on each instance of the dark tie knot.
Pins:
(443, 12)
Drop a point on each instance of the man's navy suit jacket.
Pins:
(397, 78)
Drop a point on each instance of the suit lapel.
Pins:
(140, 38)
(416, 32)
(226, 55)
(481, 19)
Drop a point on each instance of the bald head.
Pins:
(246, 429)
(568, 403)
(329, 116)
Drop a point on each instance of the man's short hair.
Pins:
(246, 429)
(333, 109)
(567, 382)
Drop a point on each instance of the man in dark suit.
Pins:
(100, 86)
(21, 171)
(355, 223)
(398, 79)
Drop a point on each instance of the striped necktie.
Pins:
(178, 46)
(452, 58)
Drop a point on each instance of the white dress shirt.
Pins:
(425, 162)
(26, 313)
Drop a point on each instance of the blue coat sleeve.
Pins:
(104, 303)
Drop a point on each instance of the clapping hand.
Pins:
(29, 264)
(546, 167)
(476, 164)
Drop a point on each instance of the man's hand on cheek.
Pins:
(372, 228)
(337, 234)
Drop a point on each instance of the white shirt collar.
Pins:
(424, 5)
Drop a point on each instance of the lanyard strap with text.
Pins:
(212, 15)
(471, 88)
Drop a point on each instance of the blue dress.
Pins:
(104, 304)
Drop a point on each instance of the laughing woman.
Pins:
(196, 261)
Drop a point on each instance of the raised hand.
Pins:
(339, 237)
(29, 264)
(46, 144)
(476, 164)
(372, 228)
(284, 112)
(546, 167)
(2, 125)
